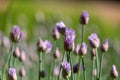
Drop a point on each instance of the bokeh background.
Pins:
(37, 18)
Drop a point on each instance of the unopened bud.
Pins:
(16, 52)
(76, 50)
(114, 72)
(93, 53)
(83, 49)
(42, 74)
(56, 34)
(40, 45)
(22, 56)
(104, 46)
(95, 72)
(22, 72)
(56, 53)
(56, 70)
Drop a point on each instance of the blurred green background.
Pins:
(37, 18)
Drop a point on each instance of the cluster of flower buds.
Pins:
(84, 18)
(12, 74)
(66, 70)
(44, 46)
(15, 34)
(69, 37)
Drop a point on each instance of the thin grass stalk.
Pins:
(40, 64)
(97, 64)
(61, 66)
(71, 65)
(78, 68)
(52, 64)
(84, 70)
(93, 63)
(100, 73)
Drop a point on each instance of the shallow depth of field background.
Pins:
(37, 18)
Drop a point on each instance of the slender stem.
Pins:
(100, 73)
(61, 66)
(78, 68)
(83, 33)
(71, 65)
(14, 63)
(67, 78)
(92, 69)
(97, 64)
(40, 64)
(84, 71)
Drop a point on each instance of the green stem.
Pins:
(61, 66)
(84, 71)
(83, 33)
(52, 64)
(40, 64)
(92, 69)
(97, 64)
(14, 63)
(71, 65)
(100, 73)
(78, 68)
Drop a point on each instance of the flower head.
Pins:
(66, 72)
(83, 49)
(60, 27)
(105, 46)
(48, 46)
(94, 41)
(12, 74)
(84, 18)
(15, 34)
(114, 72)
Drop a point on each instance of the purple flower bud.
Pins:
(22, 72)
(66, 72)
(42, 74)
(15, 34)
(61, 27)
(68, 43)
(48, 46)
(95, 72)
(56, 53)
(22, 56)
(69, 40)
(40, 45)
(105, 46)
(84, 18)
(16, 52)
(83, 49)
(12, 74)
(56, 34)
(94, 41)
(56, 70)
(114, 72)
(93, 54)
(76, 50)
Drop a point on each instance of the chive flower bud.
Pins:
(56, 53)
(114, 72)
(84, 18)
(76, 50)
(61, 27)
(105, 46)
(40, 45)
(15, 34)
(16, 52)
(66, 70)
(93, 53)
(56, 71)
(94, 41)
(22, 56)
(55, 34)
(83, 49)
(12, 74)
(22, 72)
(42, 74)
